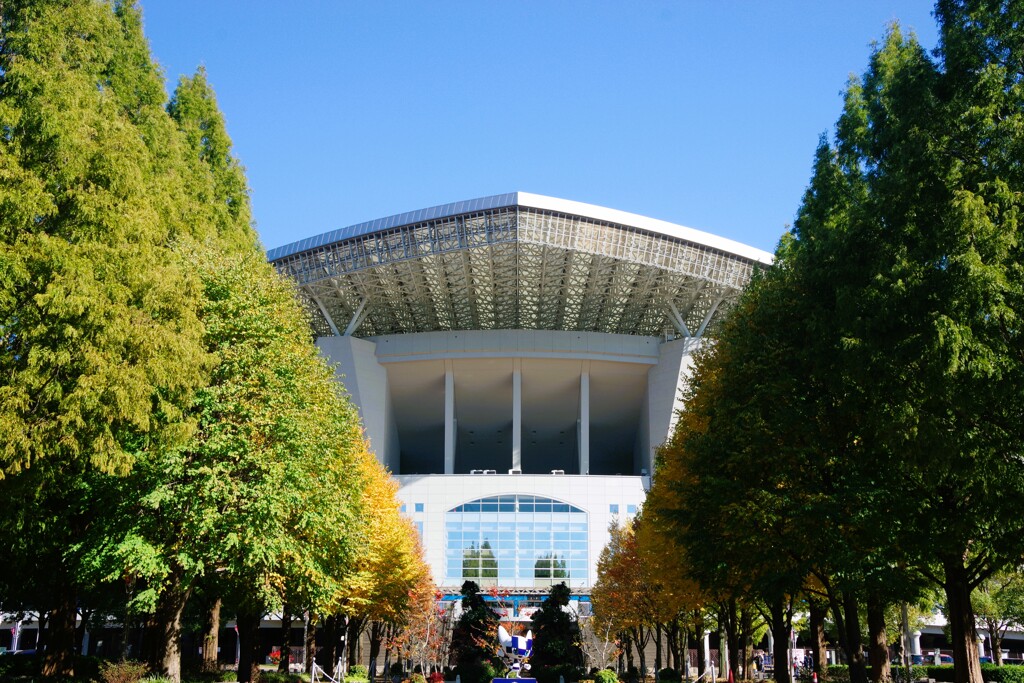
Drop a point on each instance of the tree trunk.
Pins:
(728, 623)
(641, 636)
(310, 644)
(356, 626)
(698, 634)
(165, 645)
(249, 643)
(41, 631)
(628, 644)
(879, 643)
(329, 638)
(966, 663)
(995, 640)
(376, 635)
(702, 660)
(835, 605)
(817, 624)
(286, 640)
(745, 638)
(211, 637)
(672, 641)
(59, 657)
(782, 621)
(854, 649)
(657, 650)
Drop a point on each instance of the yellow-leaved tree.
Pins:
(390, 571)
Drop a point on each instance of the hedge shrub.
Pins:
(1008, 673)
(606, 676)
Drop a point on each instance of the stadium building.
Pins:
(516, 360)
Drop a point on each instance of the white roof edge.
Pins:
(539, 201)
(534, 201)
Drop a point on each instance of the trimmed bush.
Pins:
(943, 673)
(550, 674)
(477, 672)
(1002, 674)
(123, 672)
(606, 676)
(358, 671)
(279, 677)
(669, 674)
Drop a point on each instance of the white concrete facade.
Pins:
(516, 360)
(452, 402)
(427, 499)
(592, 406)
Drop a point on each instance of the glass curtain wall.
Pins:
(516, 540)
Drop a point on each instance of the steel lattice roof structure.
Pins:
(517, 261)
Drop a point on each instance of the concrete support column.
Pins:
(449, 418)
(584, 421)
(707, 647)
(517, 415)
(915, 643)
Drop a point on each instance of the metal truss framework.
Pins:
(516, 268)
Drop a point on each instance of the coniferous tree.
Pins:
(556, 638)
(475, 635)
(98, 310)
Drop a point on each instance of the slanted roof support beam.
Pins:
(677, 320)
(357, 319)
(327, 316)
(711, 312)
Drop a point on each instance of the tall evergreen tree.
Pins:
(98, 310)
(475, 635)
(556, 637)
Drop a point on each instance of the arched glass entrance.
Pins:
(516, 540)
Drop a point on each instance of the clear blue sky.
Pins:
(704, 113)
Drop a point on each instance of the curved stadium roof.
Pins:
(517, 261)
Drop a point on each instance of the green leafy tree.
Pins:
(264, 493)
(999, 604)
(931, 146)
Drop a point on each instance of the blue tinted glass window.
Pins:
(419, 507)
(631, 509)
(401, 508)
(515, 540)
(613, 508)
